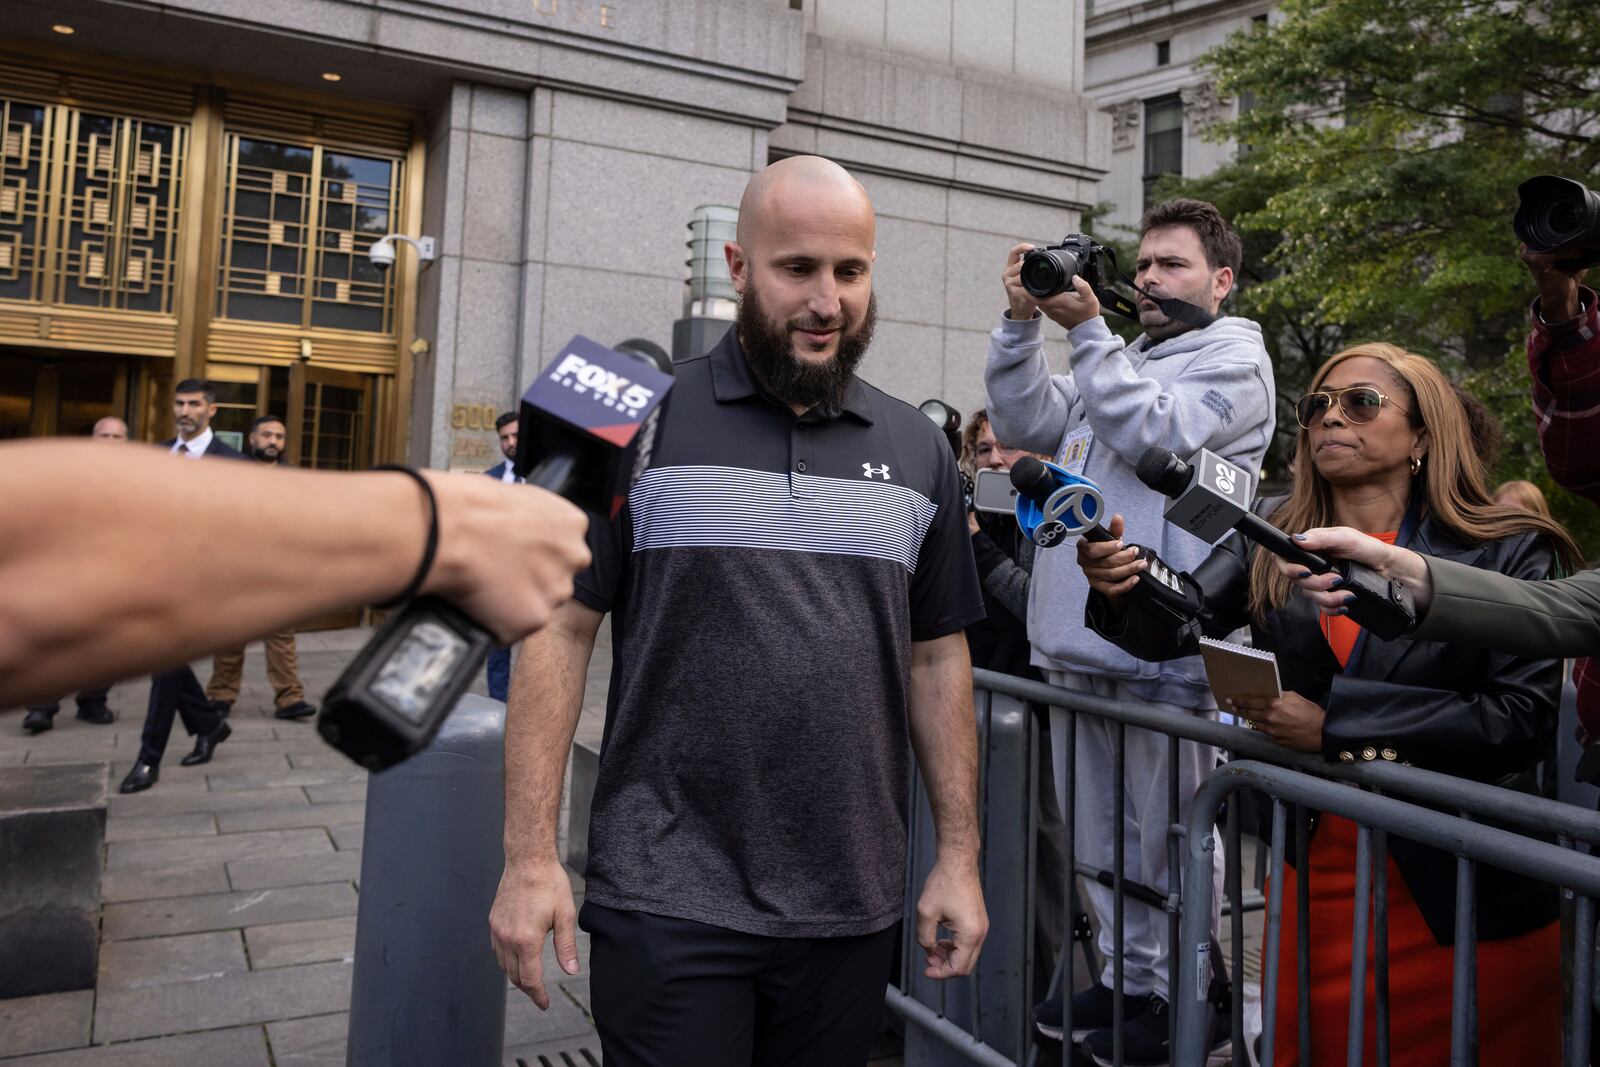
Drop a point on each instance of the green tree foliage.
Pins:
(1385, 141)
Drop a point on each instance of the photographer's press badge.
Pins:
(1074, 455)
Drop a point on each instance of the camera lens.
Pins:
(1562, 217)
(1048, 271)
(1557, 213)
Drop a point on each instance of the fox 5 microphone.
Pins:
(1053, 504)
(587, 429)
(1210, 496)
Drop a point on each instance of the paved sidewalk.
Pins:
(230, 893)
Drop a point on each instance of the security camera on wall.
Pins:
(382, 253)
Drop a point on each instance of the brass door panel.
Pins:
(330, 419)
(89, 224)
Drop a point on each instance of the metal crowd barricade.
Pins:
(1469, 841)
(987, 1017)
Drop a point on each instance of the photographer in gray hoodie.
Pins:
(1182, 387)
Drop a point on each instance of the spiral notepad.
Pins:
(1238, 671)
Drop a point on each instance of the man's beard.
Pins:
(788, 376)
(266, 455)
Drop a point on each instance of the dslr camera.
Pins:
(1048, 271)
(1559, 213)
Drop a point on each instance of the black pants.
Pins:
(175, 691)
(88, 700)
(677, 993)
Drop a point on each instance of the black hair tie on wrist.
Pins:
(432, 546)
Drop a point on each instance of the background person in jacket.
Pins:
(268, 438)
(1384, 447)
(1182, 388)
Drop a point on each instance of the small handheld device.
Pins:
(993, 491)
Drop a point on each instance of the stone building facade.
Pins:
(555, 149)
(1141, 68)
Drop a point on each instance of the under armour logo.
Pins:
(869, 471)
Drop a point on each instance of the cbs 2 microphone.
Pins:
(1209, 497)
(586, 430)
(1053, 504)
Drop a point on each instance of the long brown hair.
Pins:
(1453, 488)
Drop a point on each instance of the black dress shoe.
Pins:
(222, 707)
(37, 721)
(100, 716)
(142, 777)
(300, 710)
(205, 744)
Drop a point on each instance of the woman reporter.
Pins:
(1385, 448)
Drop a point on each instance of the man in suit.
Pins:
(177, 690)
(499, 665)
(92, 705)
(268, 437)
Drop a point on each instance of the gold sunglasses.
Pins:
(1359, 404)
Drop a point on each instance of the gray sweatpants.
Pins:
(1146, 953)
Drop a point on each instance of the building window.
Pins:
(1163, 140)
(1163, 53)
(1258, 22)
(89, 207)
(298, 223)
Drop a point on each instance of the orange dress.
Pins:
(1519, 979)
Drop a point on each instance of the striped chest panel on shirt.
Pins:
(732, 507)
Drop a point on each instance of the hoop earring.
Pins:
(1416, 466)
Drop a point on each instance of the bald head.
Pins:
(802, 266)
(110, 428)
(800, 184)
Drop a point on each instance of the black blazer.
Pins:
(217, 449)
(1462, 711)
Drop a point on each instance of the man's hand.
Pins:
(507, 553)
(1023, 306)
(1399, 564)
(952, 897)
(1558, 289)
(530, 903)
(1290, 719)
(1112, 570)
(1072, 307)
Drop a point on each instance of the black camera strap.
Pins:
(1173, 308)
(1111, 300)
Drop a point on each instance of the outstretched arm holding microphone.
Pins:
(1462, 604)
(200, 558)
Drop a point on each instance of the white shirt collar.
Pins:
(197, 447)
(509, 475)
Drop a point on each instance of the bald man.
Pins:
(788, 583)
(110, 428)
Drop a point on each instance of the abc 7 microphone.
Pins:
(1054, 504)
(587, 428)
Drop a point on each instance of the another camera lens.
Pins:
(1557, 213)
(1048, 271)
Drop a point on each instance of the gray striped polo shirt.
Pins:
(766, 581)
